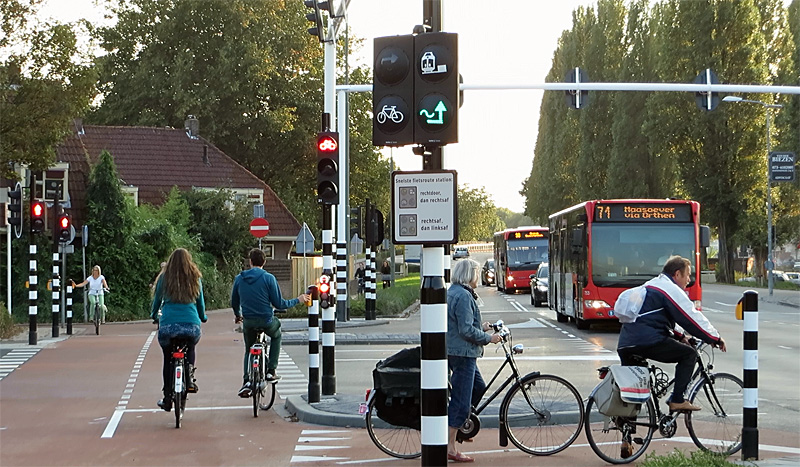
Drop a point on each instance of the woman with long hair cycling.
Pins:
(97, 284)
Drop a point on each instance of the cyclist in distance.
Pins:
(97, 283)
(666, 312)
(254, 298)
(179, 295)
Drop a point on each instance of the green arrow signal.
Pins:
(441, 108)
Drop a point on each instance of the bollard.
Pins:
(341, 282)
(433, 349)
(69, 310)
(33, 297)
(56, 287)
(313, 345)
(749, 307)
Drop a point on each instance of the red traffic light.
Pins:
(37, 209)
(64, 222)
(327, 144)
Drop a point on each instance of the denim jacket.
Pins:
(465, 336)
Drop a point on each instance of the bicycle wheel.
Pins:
(543, 414)
(256, 382)
(398, 441)
(268, 394)
(97, 319)
(606, 434)
(176, 394)
(718, 426)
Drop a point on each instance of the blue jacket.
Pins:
(256, 292)
(465, 336)
(666, 309)
(174, 312)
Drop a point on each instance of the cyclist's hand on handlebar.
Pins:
(237, 320)
(721, 345)
(486, 326)
(496, 338)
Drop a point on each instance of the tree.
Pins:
(477, 215)
(45, 82)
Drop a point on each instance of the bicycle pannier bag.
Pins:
(399, 374)
(633, 383)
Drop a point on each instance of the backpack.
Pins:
(623, 391)
(629, 303)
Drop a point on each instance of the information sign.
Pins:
(424, 207)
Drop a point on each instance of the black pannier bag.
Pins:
(397, 382)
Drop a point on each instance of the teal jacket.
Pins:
(256, 295)
(173, 312)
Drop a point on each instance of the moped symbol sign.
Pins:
(781, 166)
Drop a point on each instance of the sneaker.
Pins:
(245, 391)
(682, 406)
(627, 450)
(272, 376)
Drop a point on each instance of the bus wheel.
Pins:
(582, 324)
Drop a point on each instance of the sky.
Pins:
(500, 42)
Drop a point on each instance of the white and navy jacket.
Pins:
(666, 310)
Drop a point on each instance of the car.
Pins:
(460, 252)
(793, 277)
(487, 272)
(539, 285)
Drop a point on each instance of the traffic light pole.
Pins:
(328, 314)
(56, 308)
(33, 272)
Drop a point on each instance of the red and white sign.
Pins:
(259, 227)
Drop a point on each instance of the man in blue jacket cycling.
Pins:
(255, 293)
(667, 312)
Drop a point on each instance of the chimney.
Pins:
(205, 155)
(192, 126)
(78, 123)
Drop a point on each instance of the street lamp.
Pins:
(769, 264)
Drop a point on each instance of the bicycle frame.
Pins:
(513, 377)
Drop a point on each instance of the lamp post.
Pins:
(769, 264)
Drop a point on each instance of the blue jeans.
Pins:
(466, 388)
(165, 334)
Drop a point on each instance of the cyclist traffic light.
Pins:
(64, 232)
(328, 167)
(15, 208)
(355, 221)
(393, 91)
(436, 90)
(326, 298)
(315, 17)
(37, 217)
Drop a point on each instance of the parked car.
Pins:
(793, 277)
(539, 285)
(460, 252)
(487, 272)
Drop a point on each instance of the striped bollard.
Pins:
(69, 310)
(341, 282)
(369, 285)
(313, 345)
(56, 288)
(433, 349)
(749, 306)
(33, 294)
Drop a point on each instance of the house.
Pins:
(150, 161)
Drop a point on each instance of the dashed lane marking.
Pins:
(113, 422)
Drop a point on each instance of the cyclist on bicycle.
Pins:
(97, 284)
(179, 296)
(667, 311)
(255, 293)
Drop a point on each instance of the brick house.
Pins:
(150, 161)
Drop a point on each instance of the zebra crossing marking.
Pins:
(14, 359)
(320, 436)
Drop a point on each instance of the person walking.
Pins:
(466, 336)
(386, 272)
(254, 299)
(179, 296)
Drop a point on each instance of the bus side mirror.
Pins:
(577, 238)
(705, 236)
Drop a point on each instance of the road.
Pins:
(90, 400)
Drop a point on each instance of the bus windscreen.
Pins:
(625, 255)
(524, 253)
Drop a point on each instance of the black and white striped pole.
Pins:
(749, 308)
(448, 261)
(33, 294)
(56, 287)
(313, 345)
(329, 311)
(433, 338)
(69, 309)
(341, 277)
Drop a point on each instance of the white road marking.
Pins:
(307, 436)
(113, 422)
(14, 359)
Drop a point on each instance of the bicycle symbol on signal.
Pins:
(389, 112)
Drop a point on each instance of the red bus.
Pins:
(517, 254)
(600, 248)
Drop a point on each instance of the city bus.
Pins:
(600, 248)
(518, 253)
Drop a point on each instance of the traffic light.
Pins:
(328, 167)
(15, 207)
(326, 298)
(64, 232)
(37, 216)
(707, 101)
(436, 91)
(373, 227)
(393, 91)
(315, 17)
(355, 221)
(575, 99)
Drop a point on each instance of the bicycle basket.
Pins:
(609, 398)
(399, 374)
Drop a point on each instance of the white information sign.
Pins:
(424, 207)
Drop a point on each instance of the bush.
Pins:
(7, 328)
(678, 459)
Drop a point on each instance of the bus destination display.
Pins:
(637, 212)
(529, 234)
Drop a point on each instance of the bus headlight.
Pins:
(510, 278)
(596, 304)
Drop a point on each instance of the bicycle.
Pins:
(98, 312)
(261, 387)
(180, 379)
(541, 414)
(716, 428)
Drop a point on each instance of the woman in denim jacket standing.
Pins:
(466, 336)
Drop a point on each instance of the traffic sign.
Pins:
(259, 227)
(424, 208)
(304, 243)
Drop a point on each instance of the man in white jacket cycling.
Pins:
(664, 315)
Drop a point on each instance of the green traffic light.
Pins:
(440, 108)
